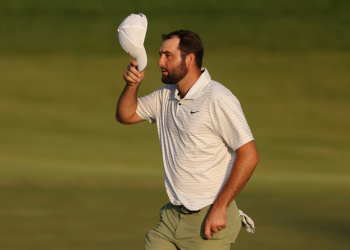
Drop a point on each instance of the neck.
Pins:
(187, 82)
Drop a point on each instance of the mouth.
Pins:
(164, 71)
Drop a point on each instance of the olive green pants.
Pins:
(178, 231)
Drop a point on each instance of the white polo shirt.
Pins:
(198, 137)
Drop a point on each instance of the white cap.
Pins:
(132, 33)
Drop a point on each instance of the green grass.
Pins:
(71, 177)
(90, 26)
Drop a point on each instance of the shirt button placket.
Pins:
(179, 104)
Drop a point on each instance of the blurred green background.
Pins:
(71, 177)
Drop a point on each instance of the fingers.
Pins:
(208, 232)
(133, 65)
(131, 74)
(133, 62)
(211, 229)
(220, 228)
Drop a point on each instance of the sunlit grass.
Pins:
(73, 178)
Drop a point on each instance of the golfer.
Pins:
(207, 147)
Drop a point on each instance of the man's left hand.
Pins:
(216, 221)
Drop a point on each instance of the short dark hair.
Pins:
(190, 42)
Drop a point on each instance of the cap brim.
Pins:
(141, 60)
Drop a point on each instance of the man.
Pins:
(207, 148)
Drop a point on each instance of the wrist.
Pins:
(219, 206)
(133, 84)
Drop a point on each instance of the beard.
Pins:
(176, 74)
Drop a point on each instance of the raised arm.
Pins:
(127, 104)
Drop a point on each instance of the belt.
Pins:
(184, 210)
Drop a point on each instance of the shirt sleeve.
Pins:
(230, 122)
(147, 106)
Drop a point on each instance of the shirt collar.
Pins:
(197, 87)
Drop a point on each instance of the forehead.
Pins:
(170, 45)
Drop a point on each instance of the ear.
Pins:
(190, 60)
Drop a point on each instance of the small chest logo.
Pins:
(192, 112)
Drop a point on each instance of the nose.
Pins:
(161, 61)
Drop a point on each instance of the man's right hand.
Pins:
(131, 75)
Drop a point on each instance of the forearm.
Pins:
(242, 169)
(127, 104)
